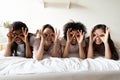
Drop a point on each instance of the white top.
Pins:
(73, 49)
(48, 52)
(21, 48)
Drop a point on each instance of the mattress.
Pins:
(19, 68)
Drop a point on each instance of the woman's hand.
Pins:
(24, 36)
(55, 36)
(105, 36)
(69, 36)
(11, 37)
(92, 37)
(80, 36)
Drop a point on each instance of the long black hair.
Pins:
(18, 25)
(113, 50)
(73, 26)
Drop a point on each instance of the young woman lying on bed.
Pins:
(101, 44)
(19, 41)
(48, 44)
(73, 44)
(73, 41)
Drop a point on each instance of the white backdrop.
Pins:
(90, 12)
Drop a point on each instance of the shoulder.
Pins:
(31, 35)
(87, 39)
(31, 38)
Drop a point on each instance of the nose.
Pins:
(97, 37)
(48, 35)
(74, 37)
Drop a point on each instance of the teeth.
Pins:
(18, 41)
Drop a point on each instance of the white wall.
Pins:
(90, 13)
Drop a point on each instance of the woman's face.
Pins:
(48, 35)
(73, 37)
(98, 33)
(18, 33)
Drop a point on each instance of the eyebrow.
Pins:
(17, 33)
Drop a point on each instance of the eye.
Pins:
(71, 35)
(22, 35)
(45, 35)
(52, 35)
(13, 34)
(101, 35)
(78, 35)
(94, 35)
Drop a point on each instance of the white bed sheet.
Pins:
(112, 75)
(19, 68)
(19, 65)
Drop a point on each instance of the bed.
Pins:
(19, 68)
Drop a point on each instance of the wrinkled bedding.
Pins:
(19, 65)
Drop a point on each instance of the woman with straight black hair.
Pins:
(101, 44)
(20, 42)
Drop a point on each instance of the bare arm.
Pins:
(107, 51)
(105, 41)
(8, 50)
(90, 50)
(66, 50)
(55, 53)
(81, 51)
(10, 42)
(28, 50)
(90, 47)
(55, 45)
(40, 52)
(80, 38)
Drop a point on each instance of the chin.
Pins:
(49, 41)
(19, 42)
(74, 43)
(99, 43)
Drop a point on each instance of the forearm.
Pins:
(40, 52)
(90, 51)
(28, 50)
(107, 51)
(55, 53)
(8, 50)
(81, 51)
(65, 53)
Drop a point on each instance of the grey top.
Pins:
(73, 49)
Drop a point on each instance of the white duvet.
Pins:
(19, 65)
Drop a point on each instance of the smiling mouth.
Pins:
(18, 41)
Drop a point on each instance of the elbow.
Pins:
(37, 57)
(64, 56)
(89, 56)
(28, 56)
(6, 55)
(108, 57)
(55, 55)
(82, 57)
